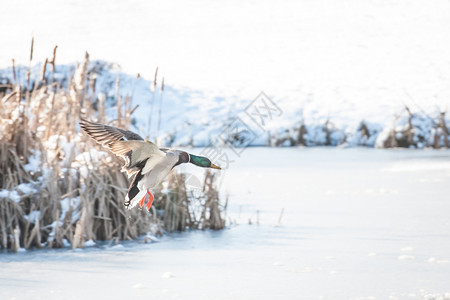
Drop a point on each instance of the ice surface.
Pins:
(357, 224)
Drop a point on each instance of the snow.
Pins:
(11, 195)
(89, 243)
(333, 223)
(189, 117)
(59, 147)
(318, 60)
(70, 203)
(87, 160)
(357, 224)
(365, 50)
(34, 162)
(33, 216)
(26, 188)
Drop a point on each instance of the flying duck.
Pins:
(143, 159)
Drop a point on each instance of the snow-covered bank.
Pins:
(357, 224)
(347, 56)
(183, 117)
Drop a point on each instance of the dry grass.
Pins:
(57, 189)
(408, 130)
(420, 130)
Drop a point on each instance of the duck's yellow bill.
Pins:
(215, 167)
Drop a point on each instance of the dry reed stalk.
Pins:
(101, 108)
(155, 80)
(29, 67)
(53, 64)
(183, 209)
(14, 71)
(215, 220)
(32, 49)
(153, 90)
(118, 98)
(43, 70)
(175, 212)
(281, 216)
(160, 107)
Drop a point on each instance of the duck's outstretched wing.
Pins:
(136, 152)
(105, 134)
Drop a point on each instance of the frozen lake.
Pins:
(357, 224)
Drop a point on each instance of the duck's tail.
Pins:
(135, 195)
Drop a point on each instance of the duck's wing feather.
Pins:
(105, 134)
(130, 146)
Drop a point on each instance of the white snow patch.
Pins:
(117, 247)
(445, 296)
(167, 275)
(139, 286)
(407, 249)
(87, 161)
(418, 166)
(406, 257)
(34, 162)
(70, 203)
(89, 243)
(12, 195)
(58, 147)
(33, 216)
(66, 243)
(26, 188)
(152, 238)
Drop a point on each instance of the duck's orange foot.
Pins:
(141, 202)
(150, 200)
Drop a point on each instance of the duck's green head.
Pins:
(202, 161)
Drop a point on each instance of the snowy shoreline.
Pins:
(192, 118)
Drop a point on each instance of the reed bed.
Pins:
(58, 188)
(190, 207)
(408, 130)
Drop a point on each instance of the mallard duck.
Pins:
(143, 159)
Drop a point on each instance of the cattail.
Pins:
(44, 67)
(117, 86)
(54, 58)
(132, 111)
(29, 68)
(32, 49)
(160, 104)
(92, 82)
(14, 70)
(101, 108)
(153, 88)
